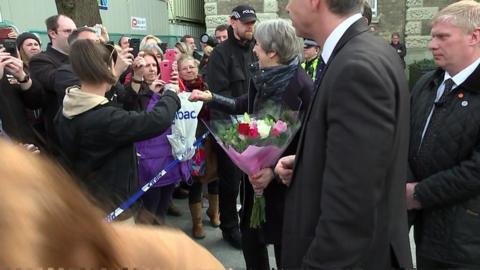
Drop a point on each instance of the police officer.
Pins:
(227, 75)
(311, 51)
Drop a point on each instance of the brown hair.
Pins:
(92, 61)
(45, 219)
(150, 53)
(221, 27)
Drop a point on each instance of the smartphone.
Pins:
(134, 43)
(10, 46)
(171, 55)
(166, 71)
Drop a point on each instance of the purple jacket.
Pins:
(155, 154)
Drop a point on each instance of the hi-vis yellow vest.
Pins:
(312, 69)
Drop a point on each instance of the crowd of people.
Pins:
(87, 123)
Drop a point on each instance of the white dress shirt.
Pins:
(336, 35)
(457, 79)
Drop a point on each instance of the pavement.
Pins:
(224, 252)
(228, 255)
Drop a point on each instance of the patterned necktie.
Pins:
(448, 87)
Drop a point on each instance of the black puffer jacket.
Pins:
(227, 69)
(448, 171)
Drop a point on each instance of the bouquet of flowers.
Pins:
(254, 142)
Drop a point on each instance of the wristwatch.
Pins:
(25, 79)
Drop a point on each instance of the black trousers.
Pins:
(429, 264)
(157, 200)
(195, 190)
(228, 187)
(255, 250)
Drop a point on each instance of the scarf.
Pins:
(271, 82)
(196, 83)
(199, 84)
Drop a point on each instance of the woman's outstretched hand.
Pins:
(198, 95)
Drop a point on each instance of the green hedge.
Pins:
(418, 69)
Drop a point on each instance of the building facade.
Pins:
(168, 19)
(410, 18)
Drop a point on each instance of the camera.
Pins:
(10, 46)
(206, 39)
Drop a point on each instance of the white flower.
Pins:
(263, 129)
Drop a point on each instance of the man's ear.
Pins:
(232, 22)
(315, 4)
(51, 33)
(474, 38)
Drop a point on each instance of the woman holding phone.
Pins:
(155, 153)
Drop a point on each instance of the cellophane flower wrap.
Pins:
(254, 142)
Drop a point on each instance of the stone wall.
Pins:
(218, 11)
(411, 18)
(417, 29)
(390, 18)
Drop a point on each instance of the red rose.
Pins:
(243, 129)
(253, 133)
(275, 132)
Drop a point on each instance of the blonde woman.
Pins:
(46, 221)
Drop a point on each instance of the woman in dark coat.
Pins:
(97, 137)
(276, 78)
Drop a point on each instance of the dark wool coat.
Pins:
(346, 205)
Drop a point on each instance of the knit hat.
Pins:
(24, 36)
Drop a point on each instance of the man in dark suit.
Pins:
(346, 205)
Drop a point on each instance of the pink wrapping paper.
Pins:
(254, 158)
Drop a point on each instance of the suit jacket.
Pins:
(346, 205)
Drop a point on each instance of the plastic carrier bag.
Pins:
(184, 128)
